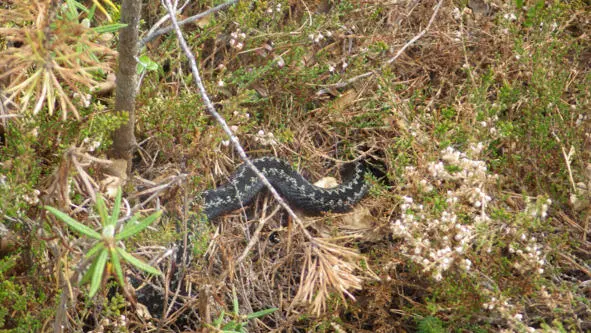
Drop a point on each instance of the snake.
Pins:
(241, 190)
(244, 185)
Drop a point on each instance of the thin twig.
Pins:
(255, 237)
(10, 115)
(163, 20)
(391, 60)
(343, 84)
(211, 109)
(194, 18)
(419, 35)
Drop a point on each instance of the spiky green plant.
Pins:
(107, 242)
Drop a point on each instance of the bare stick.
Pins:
(419, 35)
(211, 109)
(194, 18)
(255, 237)
(391, 60)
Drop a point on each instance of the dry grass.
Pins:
(44, 69)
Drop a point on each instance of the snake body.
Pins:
(293, 187)
(241, 190)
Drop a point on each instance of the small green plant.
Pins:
(106, 246)
(145, 64)
(238, 322)
(430, 325)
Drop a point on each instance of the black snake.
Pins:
(244, 185)
(241, 190)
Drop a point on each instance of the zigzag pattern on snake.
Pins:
(293, 187)
(243, 187)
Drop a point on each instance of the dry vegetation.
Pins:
(477, 221)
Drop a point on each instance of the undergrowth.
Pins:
(478, 220)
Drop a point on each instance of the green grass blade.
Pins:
(97, 275)
(137, 263)
(116, 207)
(261, 313)
(230, 327)
(117, 266)
(90, 14)
(235, 302)
(97, 247)
(81, 228)
(132, 228)
(218, 321)
(88, 274)
(102, 209)
(109, 27)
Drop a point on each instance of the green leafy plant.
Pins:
(238, 322)
(430, 325)
(145, 64)
(106, 246)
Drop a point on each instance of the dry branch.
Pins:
(193, 18)
(338, 85)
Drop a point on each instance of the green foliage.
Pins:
(106, 245)
(430, 325)
(531, 111)
(238, 322)
(145, 64)
(23, 306)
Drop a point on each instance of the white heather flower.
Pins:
(467, 264)
(226, 142)
(438, 276)
(510, 17)
(280, 62)
(456, 13)
(234, 128)
(221, 83)
(94, 145)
